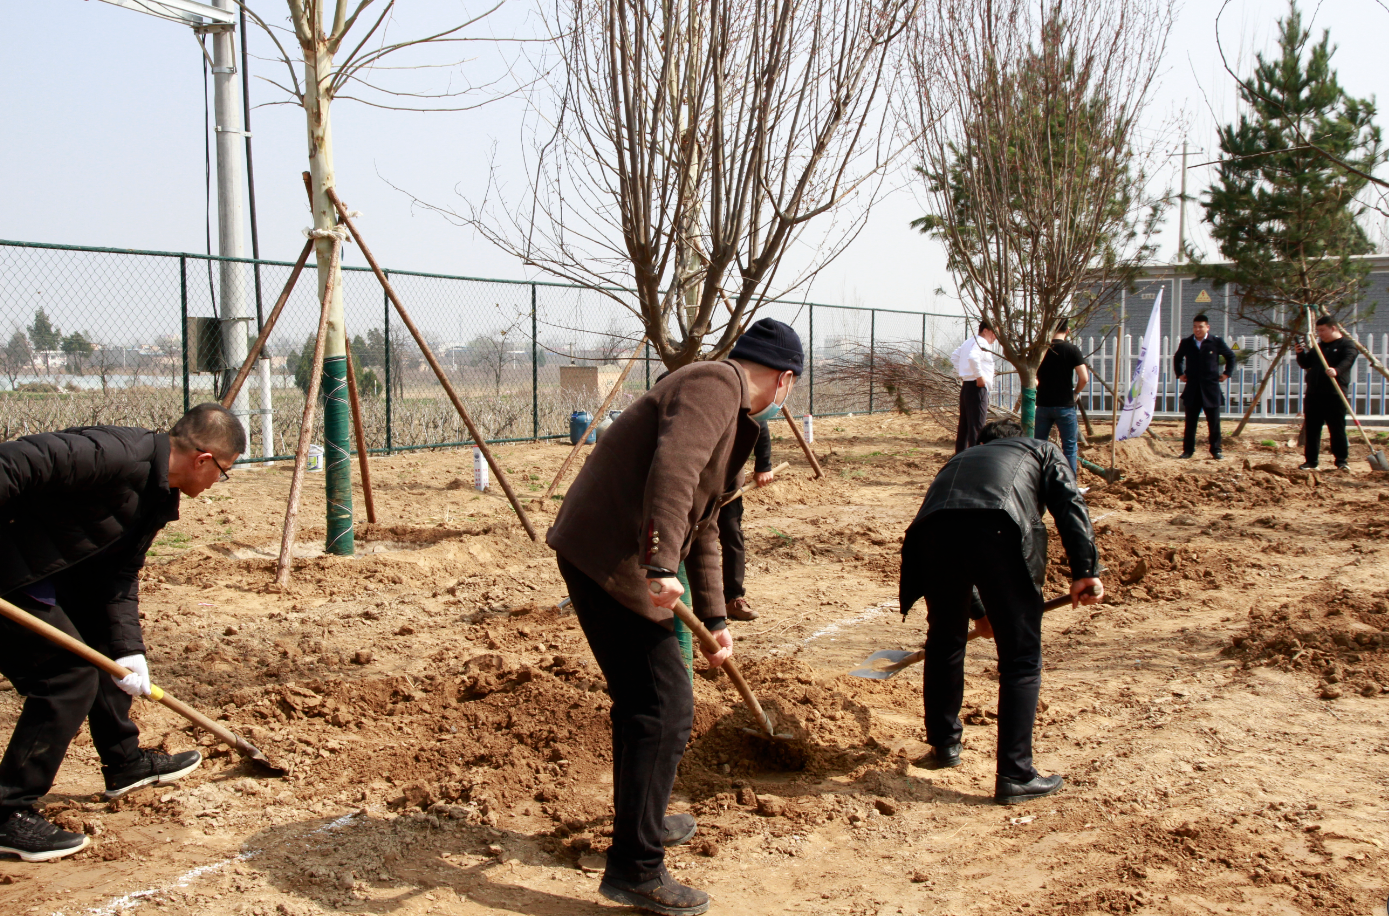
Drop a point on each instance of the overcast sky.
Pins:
(104, 124)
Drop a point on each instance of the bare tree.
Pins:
(1027, 119)
(687, 144)
(16, 358)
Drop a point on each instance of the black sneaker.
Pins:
(662, 894)
(1217, 456)
(1185, 455)
(1343, 466)
(678, 829)
(34, 839)
(1011, 792)
(153, 768)
(1306, 466)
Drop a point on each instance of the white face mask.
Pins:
(771, 410)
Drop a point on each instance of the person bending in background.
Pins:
(644, 502)
(1197, 363)
(1056, 397)
(974, 363)
(731, 543)
(1321, 405)
(980, 528)
(83, 507)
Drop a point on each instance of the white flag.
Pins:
(1142, 393)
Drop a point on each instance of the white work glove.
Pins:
(137, 682)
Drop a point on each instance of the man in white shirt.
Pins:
(974, 363)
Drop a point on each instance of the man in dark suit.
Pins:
(1197, 362)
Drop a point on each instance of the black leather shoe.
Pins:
(1185, 455)
(152, 768)
(1217, 456)
(662, 894)
(939, 757)
(678, 829)
(33, 839)
(1011, 792)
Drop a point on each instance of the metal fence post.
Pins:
(386, 358)
(535, 369)
(923, 357)
(648, 365)
(183, 311)
(872, 343)
(810, 352)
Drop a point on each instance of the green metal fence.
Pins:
(99, 335)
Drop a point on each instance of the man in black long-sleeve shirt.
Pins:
(1197, 362)
(1321, 405)
(731, 533)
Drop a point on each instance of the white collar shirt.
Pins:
(974, 360)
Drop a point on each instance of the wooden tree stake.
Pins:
(259, 345)
(607, 402)
(361, 435)
(301, 455)
(805, 446)
(478, 439)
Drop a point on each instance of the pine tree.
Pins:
(42, 334)
(1285, 217)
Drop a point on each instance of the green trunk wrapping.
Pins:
(1029, 411)
(682, 633)
(338, 471)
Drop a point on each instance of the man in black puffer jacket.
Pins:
(78, 511)
(980, 528)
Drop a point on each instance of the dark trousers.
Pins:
(734, 551)
(982, 549)
(652, 711)
(1193, 415)
(60, 691)
(974, 412)
(1333, 417)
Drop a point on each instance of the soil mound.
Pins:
(1342, 635)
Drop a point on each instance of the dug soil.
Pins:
(1220, 718)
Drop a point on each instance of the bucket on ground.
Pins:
(578, 422)
(479, 470)
(315, 462)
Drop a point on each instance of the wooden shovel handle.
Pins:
(743, 489)
(711, 645)
(101, 662)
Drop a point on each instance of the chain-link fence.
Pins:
(97, 335)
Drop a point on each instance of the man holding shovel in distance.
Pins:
(731, 543)
(645, 501)
(980, 527)
(1321, 405)
(78, 510)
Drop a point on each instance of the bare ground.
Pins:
(1220, 719)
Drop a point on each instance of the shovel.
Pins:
(1377, 460)
(885, 663)
(1110, 475)
(706, 639)
(96, 659)
(752, 486)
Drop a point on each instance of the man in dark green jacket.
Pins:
(78, 511)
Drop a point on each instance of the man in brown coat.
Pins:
(646, 500)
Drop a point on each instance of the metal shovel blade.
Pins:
(887, 659)
(1378, 462)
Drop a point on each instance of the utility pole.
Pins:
(218, 21)
(231, 211)
(1181, 256)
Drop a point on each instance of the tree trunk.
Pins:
(318, 69)
(1263, 383)
(1027, 406)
